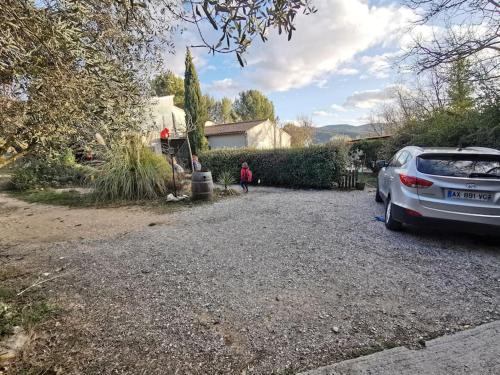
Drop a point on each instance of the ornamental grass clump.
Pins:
(226, 179)
(132, 172)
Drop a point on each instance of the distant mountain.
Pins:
(324, 133)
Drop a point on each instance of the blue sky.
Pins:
(337, 68)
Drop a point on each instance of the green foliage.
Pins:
(70, 69)
(6, 323)
(169, 84)
(224, 112)
(59, 170)
(35, 313)
(226, 178)
(132, 172)
(193, 105)
(66, 78)
(443, 128)
(253, 105)
(460, 89)
(27, 316)
(311, 167)
(373, 150)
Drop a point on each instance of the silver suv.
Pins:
(457, 186)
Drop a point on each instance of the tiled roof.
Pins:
(231, 128)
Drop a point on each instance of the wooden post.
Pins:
(173, 125)
(189, 150)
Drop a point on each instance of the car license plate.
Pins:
(469, 195)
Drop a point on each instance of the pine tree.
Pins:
(169, 84)
(193, 106)
(254, 105)
(460, 89)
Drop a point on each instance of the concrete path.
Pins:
(475, 351)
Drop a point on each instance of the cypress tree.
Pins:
(193, 105)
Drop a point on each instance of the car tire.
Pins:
(378, 198)
(390, 223)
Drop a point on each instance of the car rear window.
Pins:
(460, 165)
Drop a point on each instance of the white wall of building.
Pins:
(227, 141)
(162, 113)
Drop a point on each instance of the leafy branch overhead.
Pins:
(70, 69)
(239, 22)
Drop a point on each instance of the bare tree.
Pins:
(411, 101)
(301, 131)
(471, 30)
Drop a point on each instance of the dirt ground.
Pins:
(271, 282)
(30, 223)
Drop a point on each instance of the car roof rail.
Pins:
(483, 149)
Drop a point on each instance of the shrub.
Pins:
(132, 172)
(478, 127)
(373, 150)
(226, 178)
(308, 167)
(54, 171)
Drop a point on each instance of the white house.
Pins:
(258, 134)
(162, 113)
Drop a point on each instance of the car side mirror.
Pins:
(381, 164)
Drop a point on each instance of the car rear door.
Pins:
(461, 182)
(387, 174)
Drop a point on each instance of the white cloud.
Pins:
(223, 87)
(338, 108)
(379, 66)
(322, 113)
(323, 42)
(347, 71)
(369, 99)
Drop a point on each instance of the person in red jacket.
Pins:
(245, 177)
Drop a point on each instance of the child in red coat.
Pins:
(245, 177)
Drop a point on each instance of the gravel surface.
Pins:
(274, 281)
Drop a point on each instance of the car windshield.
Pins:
(460, 165)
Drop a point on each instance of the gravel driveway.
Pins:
(274, 281)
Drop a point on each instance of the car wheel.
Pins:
(378, 198)
(390, 223)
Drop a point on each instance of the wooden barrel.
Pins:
(202, 186)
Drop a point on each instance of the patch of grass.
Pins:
(24, 311)
(27, 315)
(6, 294)
(24, 314)
(6, 323)
(71, 198)
(35, 313)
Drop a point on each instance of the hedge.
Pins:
(307, 167)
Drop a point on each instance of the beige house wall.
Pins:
(262, 135)
(284, 139)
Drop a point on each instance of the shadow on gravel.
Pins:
(453, 237)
